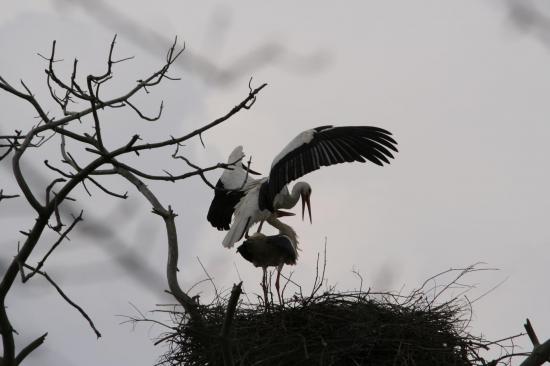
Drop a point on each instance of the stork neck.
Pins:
(284, 229)
(296, 193)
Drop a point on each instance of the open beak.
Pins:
(281, 213)
(306, 202)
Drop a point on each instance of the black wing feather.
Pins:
(222, 206)
(332, 145)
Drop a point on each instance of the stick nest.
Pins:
(359, 328)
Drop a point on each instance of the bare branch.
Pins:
(21, 181)
(200, 171)
(59, 225)
(71, 161)
(168, 177)
(172, 264)
(531, 333)
(12, 143)
(30, 348)
(111, 193)
(209, 278)
(6, 330)
(7, 196)
(202, 141)
(28, 97)
(66, 298)
(66, 175)
(539, 356)
(109, 63)
(143, 318)
(229, 315)
(94, 108)
(53, 247)
(151, 119)
(74, 88)
(243, 105)
(123, 59)
(11, 147)
(74, 84)
(54, 96)
(541, 352)
(58, 180)
(17, 135)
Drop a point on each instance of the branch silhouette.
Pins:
(101, 161)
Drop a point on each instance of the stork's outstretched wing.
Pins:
(230, 189)
(328, 145)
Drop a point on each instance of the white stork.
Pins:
(309, 151)
(271, 251)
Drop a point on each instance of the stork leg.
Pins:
(277, 284)
(264, 286)
(247, 228)
(260, 227)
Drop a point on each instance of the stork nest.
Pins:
(331, 328)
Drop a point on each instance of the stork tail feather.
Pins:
(237, 231)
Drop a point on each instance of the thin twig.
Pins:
(54, 246)
(142, 116)
(66, 298)
(209, 278)
(7, 196)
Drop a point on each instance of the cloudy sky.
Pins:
(462, 85)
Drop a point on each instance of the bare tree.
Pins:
(104, 162)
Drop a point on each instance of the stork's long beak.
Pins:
(305, 201)
(281, 213)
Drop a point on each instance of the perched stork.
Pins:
(309, 151)
(271, 251)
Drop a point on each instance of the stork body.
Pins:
(271, 251)
(268, 251)
(309, 151)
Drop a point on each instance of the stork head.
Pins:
(305, 193)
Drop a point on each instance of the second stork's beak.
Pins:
(281, 213)
(305, 201)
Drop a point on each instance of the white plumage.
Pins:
(303, 138)
(236, 177)
(246, 214)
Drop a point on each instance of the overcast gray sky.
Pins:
(462, 85)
